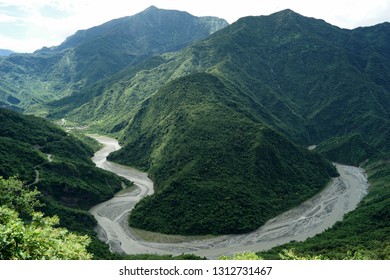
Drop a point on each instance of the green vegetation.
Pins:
(216, 170)
(35, 237)
(218, 125)
(68, 180)
(242, 256)
(291, 255)
(349, 149)
(315, 91)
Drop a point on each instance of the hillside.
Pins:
(93, 54)
(58, 164)
(216, 168)
(221, 124)
(348, 149)
(306, 78)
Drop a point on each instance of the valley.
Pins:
(320, 212)
(214, 120)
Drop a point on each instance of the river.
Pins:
(313, 216)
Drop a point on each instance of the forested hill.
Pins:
(96, 53)
(221, 124)
(217, 168)
(58, 164)
(304, 77)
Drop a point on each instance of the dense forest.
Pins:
(220, 116)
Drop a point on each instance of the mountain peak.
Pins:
(151, 9)
(287, 13)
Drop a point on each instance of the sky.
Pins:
(28, 25)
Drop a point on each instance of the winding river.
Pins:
(315, 215)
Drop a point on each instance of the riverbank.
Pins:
(310, 218)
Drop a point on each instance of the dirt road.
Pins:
(310, 218)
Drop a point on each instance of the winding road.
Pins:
(315, 215)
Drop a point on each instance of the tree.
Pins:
(15, 195)
(291, 255)
(242, 256)
(35, 237)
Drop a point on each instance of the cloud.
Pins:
(51, 21)
(345, 13)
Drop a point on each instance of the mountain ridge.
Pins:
(228, 117)
(216, 170)
(305, 78)
(96, 53)
(4, 52)
(288, 69)
(135, 23)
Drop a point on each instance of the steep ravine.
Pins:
(310, 218)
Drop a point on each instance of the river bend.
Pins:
(313, 216)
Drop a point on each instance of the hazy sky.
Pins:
(27, 25)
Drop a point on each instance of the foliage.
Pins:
(210, 139)
(14, 194)
(291, 255)
(38, 238)
(242, 256)
(349, 149)
(69, 182)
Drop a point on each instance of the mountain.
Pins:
(4, 52)
(216, 169)
(306, 79)
(220, 125)
(350, 149)
(96, 53)
(59, 165)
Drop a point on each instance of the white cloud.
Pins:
(23, 45)
(51, 21)
(8, 19)
(345, 13)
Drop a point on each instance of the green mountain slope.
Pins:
(96, 53)
(58, 164)
(306, 78)
(349, 149)
(214, 123)
(216, 169)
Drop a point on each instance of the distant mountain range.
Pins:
(96, 53)
(5, 52)
(219, 114)
(306, 78)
